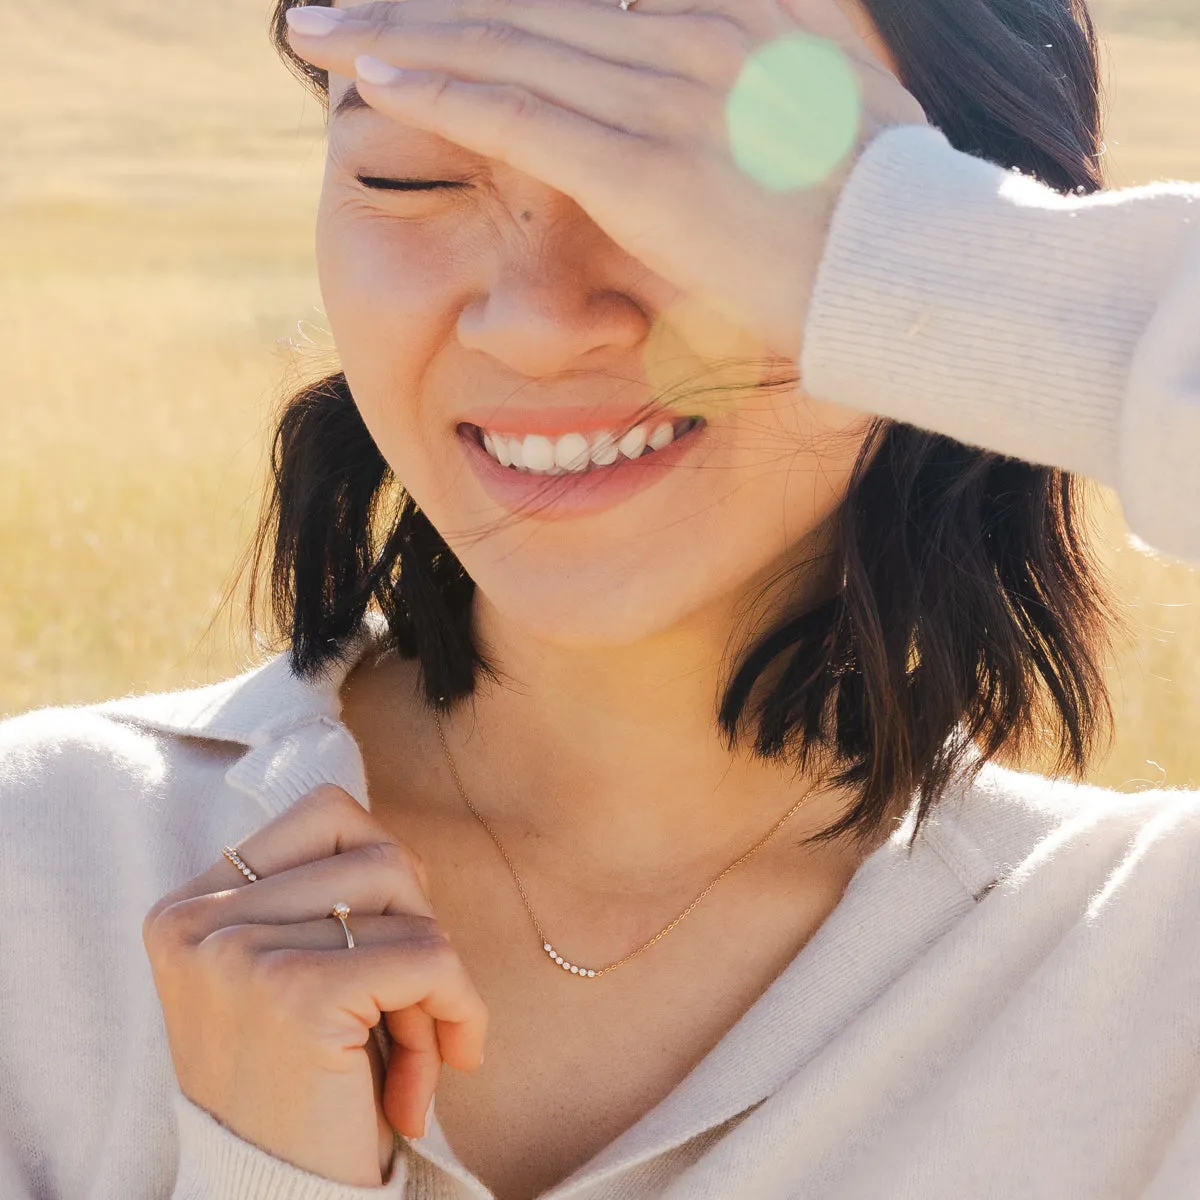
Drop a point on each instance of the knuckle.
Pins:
(225, 955)
(169, 926)
(389, 856)
(718, 50)
(487, 36)
(328, 796)
(421, 938)
(431, 943)
(440, 86)
(425, 932)
(520, 106)
(150, 927)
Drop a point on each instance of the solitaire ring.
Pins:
(341, 911)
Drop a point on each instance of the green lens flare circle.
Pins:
(793, 115)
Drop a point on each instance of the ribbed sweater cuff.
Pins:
(972, 301)
(215, 1164)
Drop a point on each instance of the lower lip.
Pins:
(553, 497)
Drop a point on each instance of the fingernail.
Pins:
(314, 21)
(371, 70)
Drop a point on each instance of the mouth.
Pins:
(579, 453)
(574, 473)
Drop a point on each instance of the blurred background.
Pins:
(158, 179)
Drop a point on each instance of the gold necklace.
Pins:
(547, 946)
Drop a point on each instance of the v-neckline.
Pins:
(895, 906)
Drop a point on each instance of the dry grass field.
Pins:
(157, 184)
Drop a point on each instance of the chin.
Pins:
(582, 619)
(591, 605)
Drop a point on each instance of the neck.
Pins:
(615, 752)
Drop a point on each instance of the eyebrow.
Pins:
(350, 102)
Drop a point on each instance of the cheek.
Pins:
(378, 275)
(390, 295)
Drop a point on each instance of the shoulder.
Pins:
(175, 770)
(72, 776)
(110, 749)
(1087, 838)
(1062, 805)
(88, 795)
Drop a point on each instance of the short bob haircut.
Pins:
(965, 617)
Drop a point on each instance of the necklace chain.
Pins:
(574, 969)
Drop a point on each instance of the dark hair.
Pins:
(966, 607)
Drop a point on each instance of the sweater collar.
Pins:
(290, 725)
(254, 708)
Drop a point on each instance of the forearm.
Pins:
(963, 298)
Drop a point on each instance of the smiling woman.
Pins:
(890, 533)
(638, 716)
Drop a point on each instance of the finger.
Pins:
(571, 153)
(707, 46)
(700, 39)
(396, 963)
(380, 878)
(631, 98)
(325, 822)
(413, 1070)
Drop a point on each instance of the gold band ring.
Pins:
(341, 911)
(239, 862)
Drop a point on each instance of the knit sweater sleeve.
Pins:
(215, 1163)
(1064, 330)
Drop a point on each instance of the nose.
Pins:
(551, 305)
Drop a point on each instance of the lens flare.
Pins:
(793, 115)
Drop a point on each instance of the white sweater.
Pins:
(1010, 1013)
(977, 303)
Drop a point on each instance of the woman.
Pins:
(681, 766)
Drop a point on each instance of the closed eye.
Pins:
(383, 183)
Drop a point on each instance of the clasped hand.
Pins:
(269, 1015)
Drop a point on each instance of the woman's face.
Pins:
(499, 306)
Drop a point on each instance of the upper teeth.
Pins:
(575, 451)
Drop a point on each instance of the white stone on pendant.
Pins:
(549, 949)
(591, 974)
(557, 958)
(574, 970)
(566, 966)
